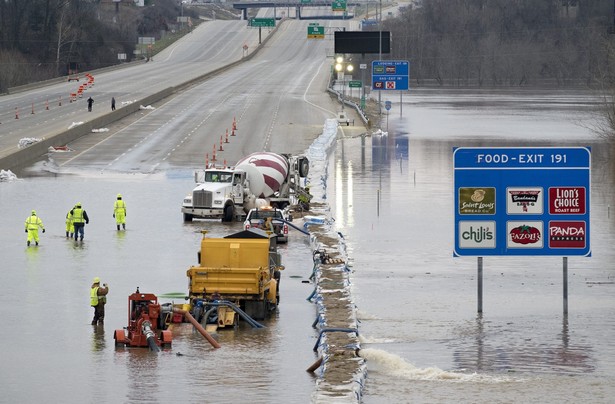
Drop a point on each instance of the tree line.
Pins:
(506, 42)
(39, 39)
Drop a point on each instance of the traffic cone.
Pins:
(60, 101)
(47, 105)
(32, 108)
(226, 140)
(16, 113)
(234, 124)
(214, 155)
(220, 149)
(224, 163)
(233, 132)
(206, 159)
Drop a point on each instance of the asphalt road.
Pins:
(277, 99)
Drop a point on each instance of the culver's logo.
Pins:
(477, 234)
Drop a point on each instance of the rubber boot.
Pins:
(28, 243)
(118, 227)
(81, 238)
(124, 226)
(66, 234)
(36, 242)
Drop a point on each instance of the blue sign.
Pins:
(522, 201)
(390, 75)
(387, 105)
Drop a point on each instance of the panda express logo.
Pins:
(525, 235)
(564, 234)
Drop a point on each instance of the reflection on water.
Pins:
(490, 348)
(420, 302)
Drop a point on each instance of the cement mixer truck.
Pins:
(260, 179)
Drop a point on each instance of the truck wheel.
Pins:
(229, 213)
(187, 217)
(304, 167)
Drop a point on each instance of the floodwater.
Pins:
(52, 353)
(421, 334)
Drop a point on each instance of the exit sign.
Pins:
(262, 22)
(338, 5)
(315, 32)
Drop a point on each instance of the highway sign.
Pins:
(262, 22)
(522, 201)
(390, 74)
(387, 105)
(315, 31)
(338, 5)
(354, 84)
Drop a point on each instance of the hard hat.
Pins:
(119, 196)
(97, 280)
(33, 212)
(78, 205)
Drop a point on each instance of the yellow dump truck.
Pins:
(237, 276)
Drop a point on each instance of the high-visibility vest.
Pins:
(94, 296)
(33, 222)
(78, 215)
(119, 205)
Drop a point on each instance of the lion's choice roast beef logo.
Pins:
(524, 234)
(477, 201)
(567, 200)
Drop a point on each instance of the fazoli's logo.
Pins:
(525, 234)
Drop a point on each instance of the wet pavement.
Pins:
(421, 335)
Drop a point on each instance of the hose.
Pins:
(150, 336)
(198, 326)
(242, 314)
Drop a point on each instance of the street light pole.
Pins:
(342, 67)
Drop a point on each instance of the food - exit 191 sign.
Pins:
(522, 201)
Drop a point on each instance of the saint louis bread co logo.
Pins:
(567, 200)
(524, 234)
(477, 201)
(567, 234)
(527, 200)
(476, 234)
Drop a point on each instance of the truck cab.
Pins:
(219, 194)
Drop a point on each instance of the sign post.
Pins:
(531, 201)
(260, 23)
(391, 75)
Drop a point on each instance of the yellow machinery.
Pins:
(237, 276)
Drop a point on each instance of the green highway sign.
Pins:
(262, 22)
(315, 31)
(306, 1)
(354, 83)
(338, 5)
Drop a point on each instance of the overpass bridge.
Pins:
(244, 6)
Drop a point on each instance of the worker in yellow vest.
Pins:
(70, 228)
(98, 299)
(33, 222)
(119, 212)
(80, 218)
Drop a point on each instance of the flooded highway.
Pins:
(421, 335)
